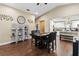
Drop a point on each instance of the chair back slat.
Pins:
(52, 36)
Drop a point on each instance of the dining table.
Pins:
(44, 38)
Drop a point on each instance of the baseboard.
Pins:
(8, 42)
(1, 44)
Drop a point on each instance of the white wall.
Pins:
(5, 26)
(65, 10)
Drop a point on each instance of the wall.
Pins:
(65, 10)
(5, 26)
(62, 11)
(47, 22)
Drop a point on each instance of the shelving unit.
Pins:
(19, 34)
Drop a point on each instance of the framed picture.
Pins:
(30, 21)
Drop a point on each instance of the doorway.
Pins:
(42, 26)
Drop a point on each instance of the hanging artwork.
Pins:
(30, 21)
(21, 19)
(5, 17)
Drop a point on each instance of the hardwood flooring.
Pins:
(26, 49)
(21, 49)
(66, 48)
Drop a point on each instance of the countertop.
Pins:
(69, 33)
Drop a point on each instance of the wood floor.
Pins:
(66, 48)
(25, 49)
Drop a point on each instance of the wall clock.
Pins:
(21, 20)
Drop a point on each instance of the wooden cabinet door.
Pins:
(42, 26)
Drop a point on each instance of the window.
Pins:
(74, 23)
(59, 24)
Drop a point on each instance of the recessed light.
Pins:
(28, 9)
(45, 3)
(37, 3)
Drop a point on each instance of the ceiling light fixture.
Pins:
(28, 9)
(39, 3)
(45, 3)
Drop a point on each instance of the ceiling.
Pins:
(35, 9)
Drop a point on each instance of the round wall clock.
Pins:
(21, 20)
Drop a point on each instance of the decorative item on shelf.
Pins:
(5, 17)
(25, 28)
(30, 21)
(26, 32)
(21, 20)
(20, 31)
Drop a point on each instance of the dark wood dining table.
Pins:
(44, 38)
(42, 34)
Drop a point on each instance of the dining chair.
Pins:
(38, 41)
(33, 38)
(33, 34)
(45, 41)
(51, 39)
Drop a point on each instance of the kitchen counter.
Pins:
(69, 33)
